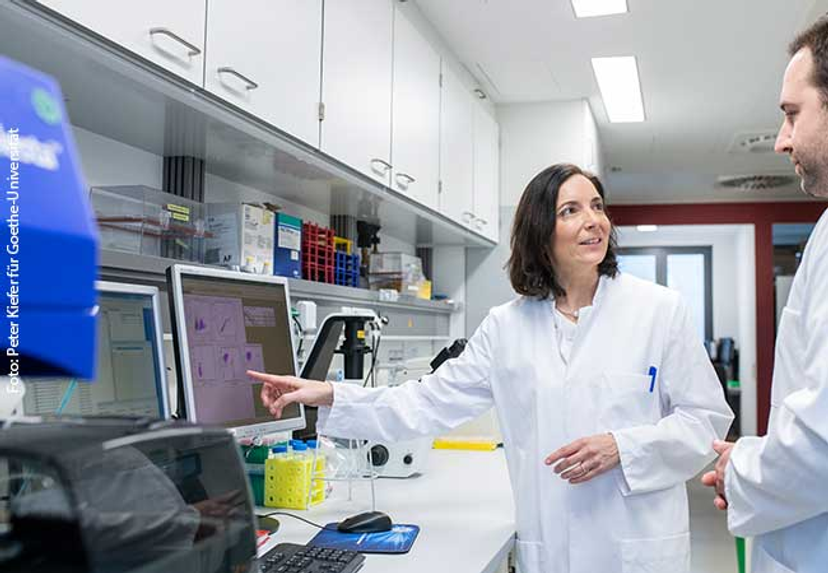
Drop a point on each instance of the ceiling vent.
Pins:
(755, 182)
(753, 142)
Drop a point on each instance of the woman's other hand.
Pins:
(281, 391)
(585, 458)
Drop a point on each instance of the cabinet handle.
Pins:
(406, 179)
(385, 166)
(193, 49)
(467, 216)
(480, 223)
(251, 85)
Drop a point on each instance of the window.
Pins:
(685, 269)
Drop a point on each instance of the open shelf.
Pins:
(129, 267)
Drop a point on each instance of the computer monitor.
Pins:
(131, 378)
(224, 323)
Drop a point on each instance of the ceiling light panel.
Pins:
(590, 8)
(620, 87)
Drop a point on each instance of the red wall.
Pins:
(762, 216)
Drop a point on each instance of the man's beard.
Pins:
(813, 180)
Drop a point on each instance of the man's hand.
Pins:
(278, 392)
(716, 477)
(585, 458)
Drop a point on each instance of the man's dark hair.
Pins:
(815, 38)
(531, 271)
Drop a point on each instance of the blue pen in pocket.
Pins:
(652, 374)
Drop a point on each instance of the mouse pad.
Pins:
(398, 540)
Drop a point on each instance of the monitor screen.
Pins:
(226, 323)
(130, 379)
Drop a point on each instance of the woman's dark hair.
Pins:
(530, 265)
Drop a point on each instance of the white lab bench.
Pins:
(462, 503)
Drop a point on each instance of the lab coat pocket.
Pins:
(656, 555)
(764, 563)
(789, 356)
(530, 557)
(627, 401)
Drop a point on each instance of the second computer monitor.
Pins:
(130, 379)
(226, 323)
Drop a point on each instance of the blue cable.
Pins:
(67, 396)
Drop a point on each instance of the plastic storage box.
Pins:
(146, 221)
(397, 271)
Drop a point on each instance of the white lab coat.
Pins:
(632, 519)
(777, 485)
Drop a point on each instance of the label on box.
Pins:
(171, 207)
(294, 255)
(181, 217)
(289, 238)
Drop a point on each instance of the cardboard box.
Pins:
(287, 253)
(242, 237)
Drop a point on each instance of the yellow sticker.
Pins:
(180, 217)
(178, 209)
(410, 323)
(360, 334)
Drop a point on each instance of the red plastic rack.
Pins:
(317, 253)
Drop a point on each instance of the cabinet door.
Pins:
(456, 150)
(486, 174)
(415, 133)
(170, 34)
(266, 59)
(356, 85)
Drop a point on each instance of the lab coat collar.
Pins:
(585, 312)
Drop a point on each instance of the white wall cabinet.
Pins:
(486, 203)
(170, 34)
(386, 111)
(356, 85)
(265, 57)
(415, 133)
(456, 150)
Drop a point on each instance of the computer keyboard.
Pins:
(292, 558)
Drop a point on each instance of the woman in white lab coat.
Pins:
(605, 395)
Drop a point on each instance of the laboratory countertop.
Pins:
(462, 502)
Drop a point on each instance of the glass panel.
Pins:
(641, 266)
(685, 273)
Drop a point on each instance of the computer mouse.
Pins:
(368, 522)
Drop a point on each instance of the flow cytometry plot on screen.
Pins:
(231, 365)
(203, 363)
(214, 319)
(259, 316)
(199, 320)
(253, 357)
(228, 320)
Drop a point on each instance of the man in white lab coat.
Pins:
(776, 487)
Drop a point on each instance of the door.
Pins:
(456, 150)
(356, 85)
(170, 34)
(688, 270)
(266, 59)
(486, 174)
(415, 134)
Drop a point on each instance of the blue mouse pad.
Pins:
(398, 540)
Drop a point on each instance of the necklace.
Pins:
(573, 314)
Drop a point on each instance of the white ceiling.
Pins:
(710, 69)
